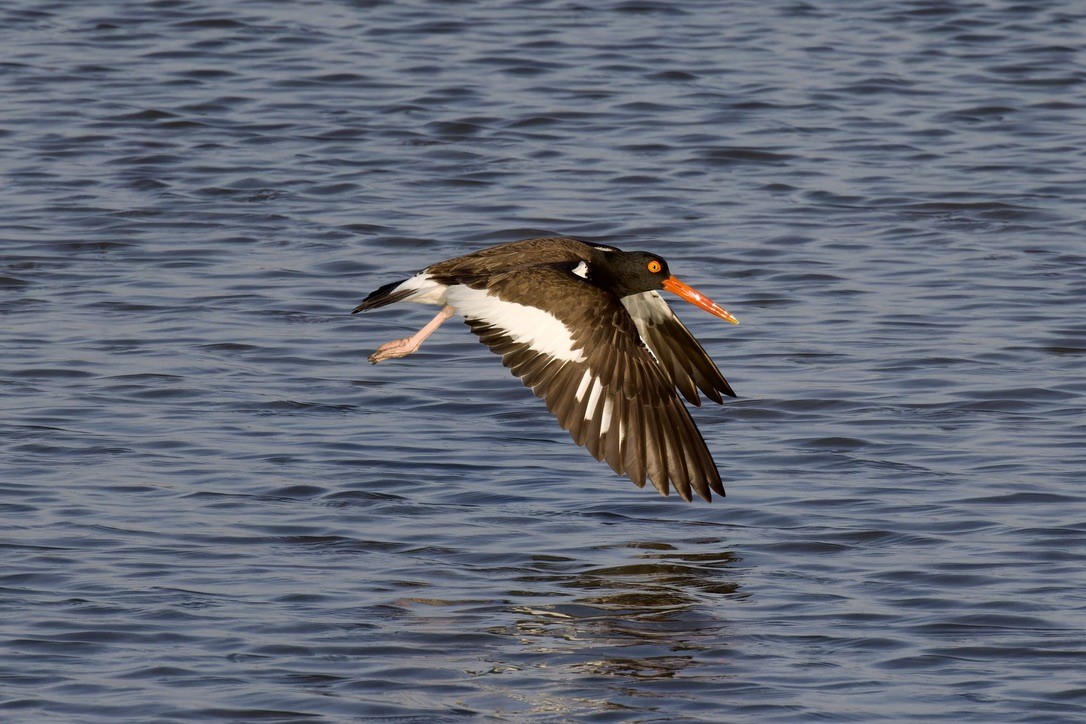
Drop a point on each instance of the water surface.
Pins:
(214, 509)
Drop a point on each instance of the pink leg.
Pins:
(407, 345)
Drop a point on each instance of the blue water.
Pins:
(213, 508)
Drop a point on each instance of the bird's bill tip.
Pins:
(698, 299)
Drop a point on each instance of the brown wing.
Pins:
(609, 393)
(679, 353)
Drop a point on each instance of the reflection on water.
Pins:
(652, 619)
(618, 628)
(640, 620)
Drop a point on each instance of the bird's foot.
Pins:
(395, 349)
(407, 345)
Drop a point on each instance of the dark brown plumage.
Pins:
(585, 330)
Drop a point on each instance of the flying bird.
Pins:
(583, 326)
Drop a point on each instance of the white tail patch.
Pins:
(426, 290)
(540, 330)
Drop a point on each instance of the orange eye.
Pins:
(654, 267)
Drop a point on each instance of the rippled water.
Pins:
(214, 508)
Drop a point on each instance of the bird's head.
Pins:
(635, 272)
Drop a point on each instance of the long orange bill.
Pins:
(698, 299)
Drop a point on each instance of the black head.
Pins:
(636, 272)
(629, 272)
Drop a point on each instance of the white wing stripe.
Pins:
(524, 324)
(605, 416)
(593, 399)
(583, 387)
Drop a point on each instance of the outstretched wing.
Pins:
(583, 356)
(682, 357)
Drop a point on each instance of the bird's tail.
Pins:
(388, 294)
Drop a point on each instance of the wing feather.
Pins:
(608, 391)
(679, 353)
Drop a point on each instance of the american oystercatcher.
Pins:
(583, 326)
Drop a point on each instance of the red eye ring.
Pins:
(655, 266)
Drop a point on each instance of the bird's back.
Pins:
(506, 257)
